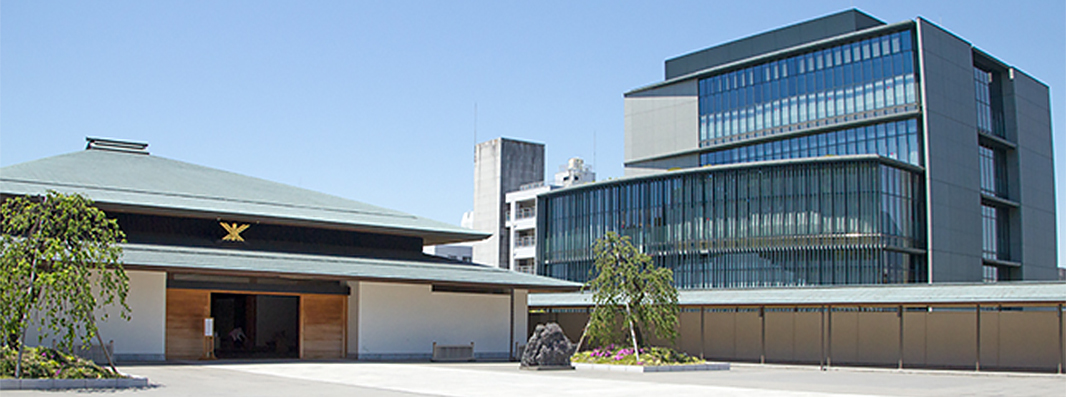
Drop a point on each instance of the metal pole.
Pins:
(703, 343)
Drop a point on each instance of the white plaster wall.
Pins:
(405, 319)
(144, 336)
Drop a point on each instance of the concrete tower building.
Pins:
(501, 165)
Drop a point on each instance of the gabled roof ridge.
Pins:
(206, 197)
(140, 180)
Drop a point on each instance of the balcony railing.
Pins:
(524, 213)
(527, 241)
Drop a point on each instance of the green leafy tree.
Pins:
(59, 259)
(630, 294)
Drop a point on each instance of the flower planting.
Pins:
(48, 363)
(650, 356)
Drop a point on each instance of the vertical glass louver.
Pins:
(866, 78)
(824, 222)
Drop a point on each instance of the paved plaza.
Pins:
(504, 379)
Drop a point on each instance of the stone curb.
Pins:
(709, 366)
(546, 367)
(56, 384)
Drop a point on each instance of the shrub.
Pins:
(44, 363)
(651, 356)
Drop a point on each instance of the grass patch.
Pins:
(649, 356)
(48, 363)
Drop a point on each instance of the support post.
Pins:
(762, 334)
(1062, 348)
(821, 339)
(703, 333)
(977, 358)
(899, 313)
(829, 337)
(511, 330)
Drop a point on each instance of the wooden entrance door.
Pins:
(322, 326)
(186, 311)
(323, 320)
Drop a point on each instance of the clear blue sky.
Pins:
(374, 101)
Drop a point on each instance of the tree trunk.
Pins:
(586, 331)
(632, 333)
(107, 354)
(26, 310)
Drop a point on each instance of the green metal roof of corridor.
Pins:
(906, 294)
(200, 260)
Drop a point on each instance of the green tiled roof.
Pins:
(991, 293)
(141, 180)
(270, 263)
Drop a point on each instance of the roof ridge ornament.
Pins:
(116, 145)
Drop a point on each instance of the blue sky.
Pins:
(374, 101)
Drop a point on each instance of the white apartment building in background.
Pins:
(521, 216)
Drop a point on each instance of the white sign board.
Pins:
(209, 326)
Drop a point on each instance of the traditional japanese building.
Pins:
(298, 273)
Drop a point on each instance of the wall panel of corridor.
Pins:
(1016, 337)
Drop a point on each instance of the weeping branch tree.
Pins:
(630, 294)
(59, 260)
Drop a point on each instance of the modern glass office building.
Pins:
(841, 150)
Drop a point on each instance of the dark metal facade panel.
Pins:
(789, 36)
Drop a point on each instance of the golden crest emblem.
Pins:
(233, 231)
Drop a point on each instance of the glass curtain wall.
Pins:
(989, 103)
(995, 243)
(897, 140)
(993, 171)
(865, 78)
(825, 222)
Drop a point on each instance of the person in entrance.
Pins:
(238, 338)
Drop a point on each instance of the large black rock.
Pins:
(547, 347)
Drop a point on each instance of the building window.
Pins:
(774, 225)
(994, 227)
(897, 140)
(866, 78)
(993, 171)
(989, 103)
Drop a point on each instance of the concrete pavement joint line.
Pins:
(454, 382)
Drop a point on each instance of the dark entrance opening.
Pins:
(256, 326)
